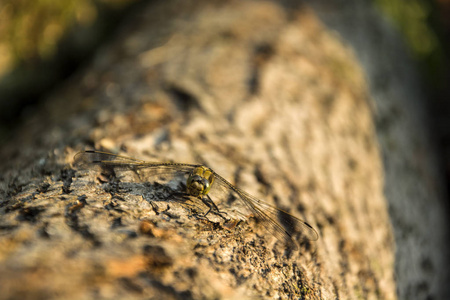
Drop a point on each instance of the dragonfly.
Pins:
(200, 181)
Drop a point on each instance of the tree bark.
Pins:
(263, 94)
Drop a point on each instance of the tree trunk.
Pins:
(272, 101)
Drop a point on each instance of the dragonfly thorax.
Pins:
(200, 181)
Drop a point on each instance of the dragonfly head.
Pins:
(200, 181)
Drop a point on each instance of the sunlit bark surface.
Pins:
(264, 95)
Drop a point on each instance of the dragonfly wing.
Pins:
(280, 223)
(291, 224)
(88, 159)
(146, 170)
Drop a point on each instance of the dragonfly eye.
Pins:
(199, 181)
(197, 185)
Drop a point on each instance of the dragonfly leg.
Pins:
(206, 200)
(212, 207)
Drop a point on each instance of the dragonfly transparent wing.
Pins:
(280, 223)
(88, 159)
(97, 159)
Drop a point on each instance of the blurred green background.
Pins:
(42, 42)
(31, 29)
(425, 26)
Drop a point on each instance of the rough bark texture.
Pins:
(269, 99)
(414, 181)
